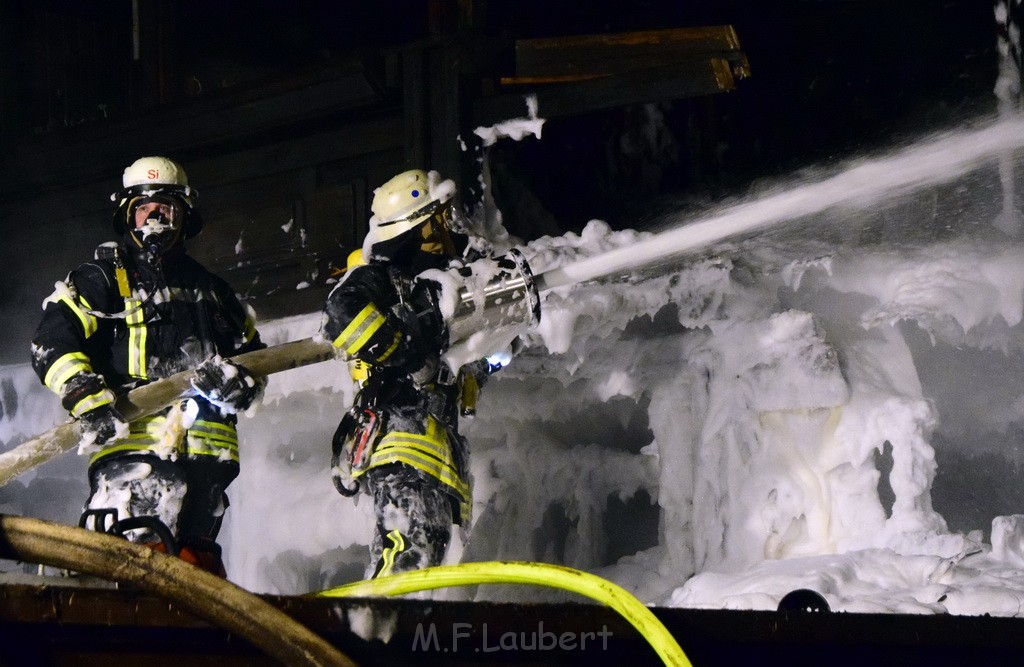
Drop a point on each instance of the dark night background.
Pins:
(293, 111)
(297, 110)
(828, 76)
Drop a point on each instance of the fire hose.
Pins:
(501, 295)
(904, 173)
(543, 574)
(155, 396)
(209, 597)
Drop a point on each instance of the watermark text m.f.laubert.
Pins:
(466, 637)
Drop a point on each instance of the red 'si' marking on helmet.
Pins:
(153, 173)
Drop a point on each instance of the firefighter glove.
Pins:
(87, 397)
(103, 424)
(230, 387)
(84, 392)
(426, 302)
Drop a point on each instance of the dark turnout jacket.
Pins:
(381, 315)
(132, 320)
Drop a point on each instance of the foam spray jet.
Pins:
(503, 294)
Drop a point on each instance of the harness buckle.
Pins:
(445, 376)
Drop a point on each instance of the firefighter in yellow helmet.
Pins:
(142, 310)
(400, 442)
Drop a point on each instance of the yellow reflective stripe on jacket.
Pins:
(360, 329)
(64, 368)
(394, 346)
(429, 453)
(249, 329)
(207, 438)
(91, 402)
(204, 438)
(89, 322)
(136, 321)
(144, 434)
(427, 464)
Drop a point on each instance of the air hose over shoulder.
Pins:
(543, 574)
(207, 596)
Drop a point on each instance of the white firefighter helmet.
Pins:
(158, 171)
(404, 203)
(156, 176)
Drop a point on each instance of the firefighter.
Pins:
(400, 442)
(140, 311)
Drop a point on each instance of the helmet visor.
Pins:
(155, 222)
(157, 212)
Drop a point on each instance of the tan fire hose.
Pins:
(155, 396)
(209, 597)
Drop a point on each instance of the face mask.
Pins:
(435, 236)
(156, 224)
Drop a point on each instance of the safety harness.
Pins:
(163, 433)
(363, 441)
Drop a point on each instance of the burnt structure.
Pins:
(287, 115)
(286, 118)
(54, 625)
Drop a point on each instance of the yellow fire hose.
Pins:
(543, 574)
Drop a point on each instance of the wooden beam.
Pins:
(581, 73)
(594, 55)
(691, 79)
(183, 129)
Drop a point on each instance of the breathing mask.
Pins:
(155, 223)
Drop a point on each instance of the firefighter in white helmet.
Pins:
(140, 311)
(400, 442)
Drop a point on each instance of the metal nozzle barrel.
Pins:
(496, 294)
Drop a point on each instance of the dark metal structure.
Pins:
(53, 625)
(287, 115)
(285, 138)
